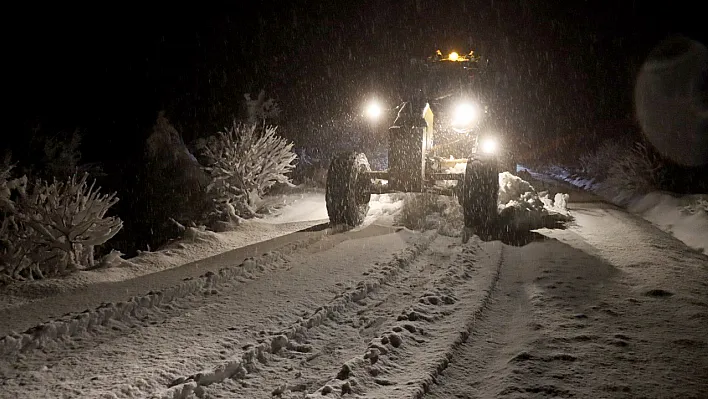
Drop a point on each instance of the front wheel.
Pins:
(478, 197)
(348, 189)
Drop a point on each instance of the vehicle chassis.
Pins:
(412, 168)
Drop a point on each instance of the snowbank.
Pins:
(521, 207)
(74, 324)
(294, 210)
(301, 210)
(306, 206)
(559, 173)
(384, 208)
(517, 192)
(685, 217)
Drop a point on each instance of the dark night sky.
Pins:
(567, 66)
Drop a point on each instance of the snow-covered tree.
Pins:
(170, 185)
(261, 109)
(61, 155)
(245, 161)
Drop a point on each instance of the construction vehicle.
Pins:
(442, 85)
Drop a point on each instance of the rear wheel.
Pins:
(348, 189)
(478, 197)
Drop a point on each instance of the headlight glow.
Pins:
(488, 146)
(373, 110)
(465, 115)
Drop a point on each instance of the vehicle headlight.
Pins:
(373, 110)
(465, 115)
(488, 146)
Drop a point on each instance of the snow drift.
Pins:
(520, 206)
(518, 193)
(685, 217)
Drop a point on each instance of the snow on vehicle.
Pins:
(443, 86)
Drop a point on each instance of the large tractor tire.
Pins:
(348, 189)
(478, 197)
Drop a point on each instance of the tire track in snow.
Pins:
(308, 359)
(405, 360)
(253, 357)
(70, 325)
(498, 338)
(139, 357)
(565, 323)
(136, 309)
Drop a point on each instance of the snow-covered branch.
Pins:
(260, 109)
(619, 166)
(52, 228)
(245, 160)
(638, 171)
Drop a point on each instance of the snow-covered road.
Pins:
(610, 307)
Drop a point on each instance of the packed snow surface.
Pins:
(292, 211)
(608, 306)
(611, 308)
(302, 207)
(685, 217)
(195, 246)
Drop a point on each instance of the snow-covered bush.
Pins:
(70, 217)
(51, 228)
(597, 164)
(6, 184)
(243, 162)
(638, 171)
(621, 170)
(12, 253)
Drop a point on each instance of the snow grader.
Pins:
(444, 85)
